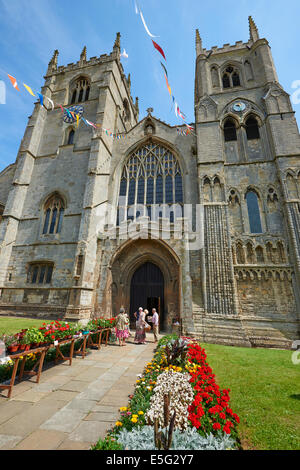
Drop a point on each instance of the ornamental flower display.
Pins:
(179, 372)
(181, 397)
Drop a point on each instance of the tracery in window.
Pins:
(151, 183)
(81, 91)
(53, 215)
(231, 77)
(40, 273)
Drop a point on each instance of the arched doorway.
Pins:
(159, 279)
(147, 291)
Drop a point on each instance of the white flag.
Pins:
(124, 54)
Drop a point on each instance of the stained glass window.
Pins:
(253, 212)
(53, 215)
(151, 176)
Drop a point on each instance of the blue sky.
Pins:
(31, 30)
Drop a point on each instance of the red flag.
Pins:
(14, 82)
(159, 49)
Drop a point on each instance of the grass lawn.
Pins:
(11, 325)
(265, 393)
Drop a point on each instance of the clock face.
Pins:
(70, 118)
(239, 107)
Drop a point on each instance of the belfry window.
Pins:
(151, 183)
(252, 129)
(231, 77)
(230, 134)
(253, 212)
(80, 91)
(53, 215)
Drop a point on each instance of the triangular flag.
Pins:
(157, 46)
(29, 89)
(62, 109)
(168, 86)
(13, 82)
(77, 117)
(41, 98)
(166, 72)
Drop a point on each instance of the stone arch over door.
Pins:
(131, 256)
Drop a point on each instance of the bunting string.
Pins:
(177, 110)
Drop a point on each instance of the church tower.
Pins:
(248, 151)
(48, 243)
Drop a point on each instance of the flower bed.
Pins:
(203, 417)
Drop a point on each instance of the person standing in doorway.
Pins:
(155, 323)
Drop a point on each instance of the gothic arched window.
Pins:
(230, 134)
(151, 183)
(226, 81)
(253, 212)
(53, 215)
(231, 77)
(252, 128)
(80, 91)
(71, 137)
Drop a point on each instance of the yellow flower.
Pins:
(123, 408)
(118, 423)
(134, 420)
(140, 412)
(134, 416)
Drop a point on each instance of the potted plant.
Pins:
(32, 338)
(11, 344)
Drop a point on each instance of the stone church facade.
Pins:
(220, 251)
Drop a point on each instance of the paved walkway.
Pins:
(72, 407)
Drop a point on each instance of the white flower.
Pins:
(181, 396)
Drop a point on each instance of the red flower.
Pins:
(217, 426)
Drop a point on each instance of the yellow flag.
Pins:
(29, 89)
(77, 117)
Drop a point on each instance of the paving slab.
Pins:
(65, 420)
(105, 417)
(90, 431)
(81, 404)
(42, 440)
(75, 445)
(29, 420)
(31, 395)
(74, 386)
(10, 409)
(8, 442)
(63, 395)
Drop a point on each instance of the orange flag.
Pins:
(13, 82)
